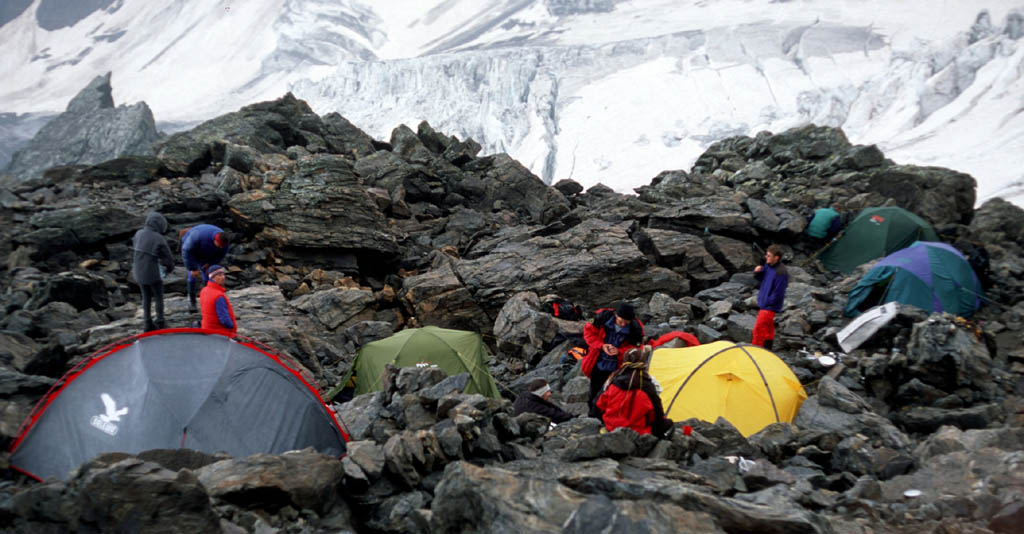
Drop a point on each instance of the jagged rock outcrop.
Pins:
(814, 165)
(91, 130)
(267, 127)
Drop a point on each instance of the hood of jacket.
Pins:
(156, 222)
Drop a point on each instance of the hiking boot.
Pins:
(192, 307)
(149, 327)
(159, 325)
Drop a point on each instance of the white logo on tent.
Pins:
(105, 422)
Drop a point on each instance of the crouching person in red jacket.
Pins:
(630, 398)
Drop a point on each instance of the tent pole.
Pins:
(811, 258)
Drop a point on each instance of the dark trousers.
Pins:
(153, 296)
(597, 380)
(194, 286)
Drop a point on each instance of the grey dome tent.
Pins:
(184, 388)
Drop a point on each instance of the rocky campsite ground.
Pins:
(340, 239)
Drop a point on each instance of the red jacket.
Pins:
(638, 408)
(208, 304)
(631, 408)
(594, 334)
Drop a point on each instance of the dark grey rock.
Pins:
(441, 298)
(83, 290)
(369, 456)
(407, 512)
(322, 205)
(835, 408)
(267, 127)
(698, 215)
(115, 492)
(337, 307)
(91, 130)
(301, 479)
(575, 264)
(927, 419)
(361, 413)
(451, 384)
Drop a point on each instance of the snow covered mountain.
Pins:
(600, 91)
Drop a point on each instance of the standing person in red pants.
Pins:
(774, 279)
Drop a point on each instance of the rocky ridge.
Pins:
(341, 239)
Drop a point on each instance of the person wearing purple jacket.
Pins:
(202, 246)
(774, 279)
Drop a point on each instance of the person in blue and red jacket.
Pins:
(608, 337)
(217, 311)
(630, 398)
(201, 246)
(774, 279)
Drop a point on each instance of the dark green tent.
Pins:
(876, 232)
(932, 276)
(454, 351)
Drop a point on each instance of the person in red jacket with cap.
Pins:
(608, 337)
(216, 309)
(630, 398)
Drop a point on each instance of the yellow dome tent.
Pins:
(745, 384)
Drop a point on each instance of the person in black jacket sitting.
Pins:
(536, 401)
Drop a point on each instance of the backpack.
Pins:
(563, 309)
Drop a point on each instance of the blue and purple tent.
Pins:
(932, 276)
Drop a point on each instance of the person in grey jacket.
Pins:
(152, 261)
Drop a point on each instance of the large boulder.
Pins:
(91, 130)
(117, 493)
(577, 264)
(522, 329)
(321, 205)
(941, 195)
(948, 355)
(685, 254)
(80, 226)
(699, 215)
(300, 479)
(998, 221)
(477, 499)
(82, 289)
(510, 185)
(963, 485)
(835, 408)
(440, 298)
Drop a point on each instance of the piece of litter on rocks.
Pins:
(912, 493)
(826, 361)
(745, 464)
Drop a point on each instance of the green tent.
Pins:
(876, 232)
(454, 351)
(932, 276)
